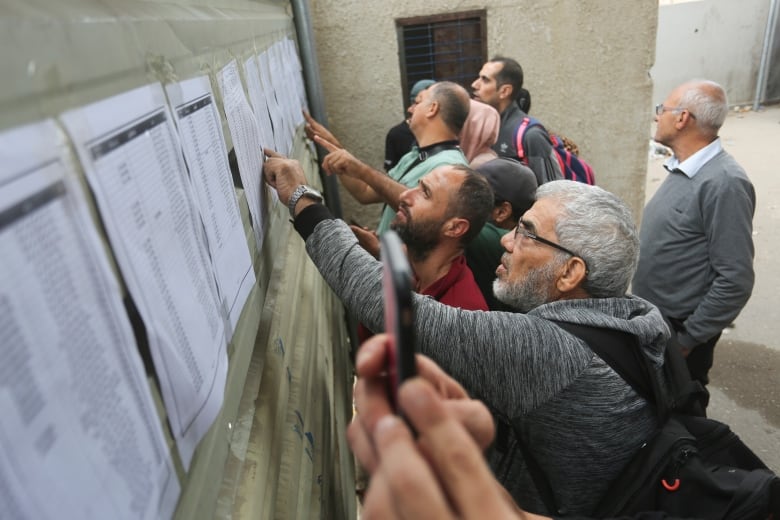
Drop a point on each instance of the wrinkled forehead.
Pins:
(445, 175)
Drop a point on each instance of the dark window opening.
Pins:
(446, 47)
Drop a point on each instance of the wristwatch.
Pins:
(302, 191)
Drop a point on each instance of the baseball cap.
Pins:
(419, 87)
(511, 181)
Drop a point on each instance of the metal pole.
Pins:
(311, 76)
(771, 22)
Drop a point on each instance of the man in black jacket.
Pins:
(499, 84)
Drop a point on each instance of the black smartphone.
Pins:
(399, 317)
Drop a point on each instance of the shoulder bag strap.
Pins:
(620, 350)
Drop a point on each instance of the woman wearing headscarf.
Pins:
(479, 133)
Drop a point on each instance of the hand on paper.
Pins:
(283, 174)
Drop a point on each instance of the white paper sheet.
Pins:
(258, 100)
(79, 435)
(205, 152)
(281, 134)
(294, 63)
(283, 91)
(247, 144)
(133, 161)
(285, 86)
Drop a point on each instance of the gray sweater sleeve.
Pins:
(726, 205)
(514, 362)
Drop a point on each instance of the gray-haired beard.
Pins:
(530, 292)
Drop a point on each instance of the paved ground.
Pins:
(745, 381)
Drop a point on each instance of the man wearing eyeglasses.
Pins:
(697, 234)
(571, 261)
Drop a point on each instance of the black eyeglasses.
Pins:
(521, 230)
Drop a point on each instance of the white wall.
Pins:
(719, 40)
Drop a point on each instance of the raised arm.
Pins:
(365, 183)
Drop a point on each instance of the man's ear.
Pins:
(502, 213)
(683, 119)
(505, 91)
(572, 276)
(433, 109)
(456, 227)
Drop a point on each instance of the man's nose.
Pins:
(508, 241)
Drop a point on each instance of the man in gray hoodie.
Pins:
(570, 259)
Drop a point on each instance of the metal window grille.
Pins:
(449, 47)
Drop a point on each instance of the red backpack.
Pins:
(572, 167)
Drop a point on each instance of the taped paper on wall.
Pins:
(80, 435)
(133, 161)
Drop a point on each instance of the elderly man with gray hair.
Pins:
(570, 260)
(697, 230)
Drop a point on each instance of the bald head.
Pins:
(706, 100)
(454, 104)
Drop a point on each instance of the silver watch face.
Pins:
(302, 191)
(312, 193)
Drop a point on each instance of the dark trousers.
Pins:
(700, 360)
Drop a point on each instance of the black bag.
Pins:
(694, 467)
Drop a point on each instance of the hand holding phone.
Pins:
(399, 318)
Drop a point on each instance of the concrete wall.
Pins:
(586, 65)
(719, 40)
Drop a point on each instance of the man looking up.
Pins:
(514, 187)
(435, 220)
(570, 259)
(697, 230)
(436, 120)
(399, 139)
(499, 84)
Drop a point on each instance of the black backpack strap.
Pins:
(620, 350)
(540, 479)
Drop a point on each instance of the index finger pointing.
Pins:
(325, 143)
(271, 153)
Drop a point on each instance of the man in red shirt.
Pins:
(436, 220)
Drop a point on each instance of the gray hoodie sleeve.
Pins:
(496, 356)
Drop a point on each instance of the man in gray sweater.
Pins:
(570, 260)
(697, 230)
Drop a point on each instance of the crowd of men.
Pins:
(537, 251)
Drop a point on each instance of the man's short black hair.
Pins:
(473, 202)
(511, 74)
